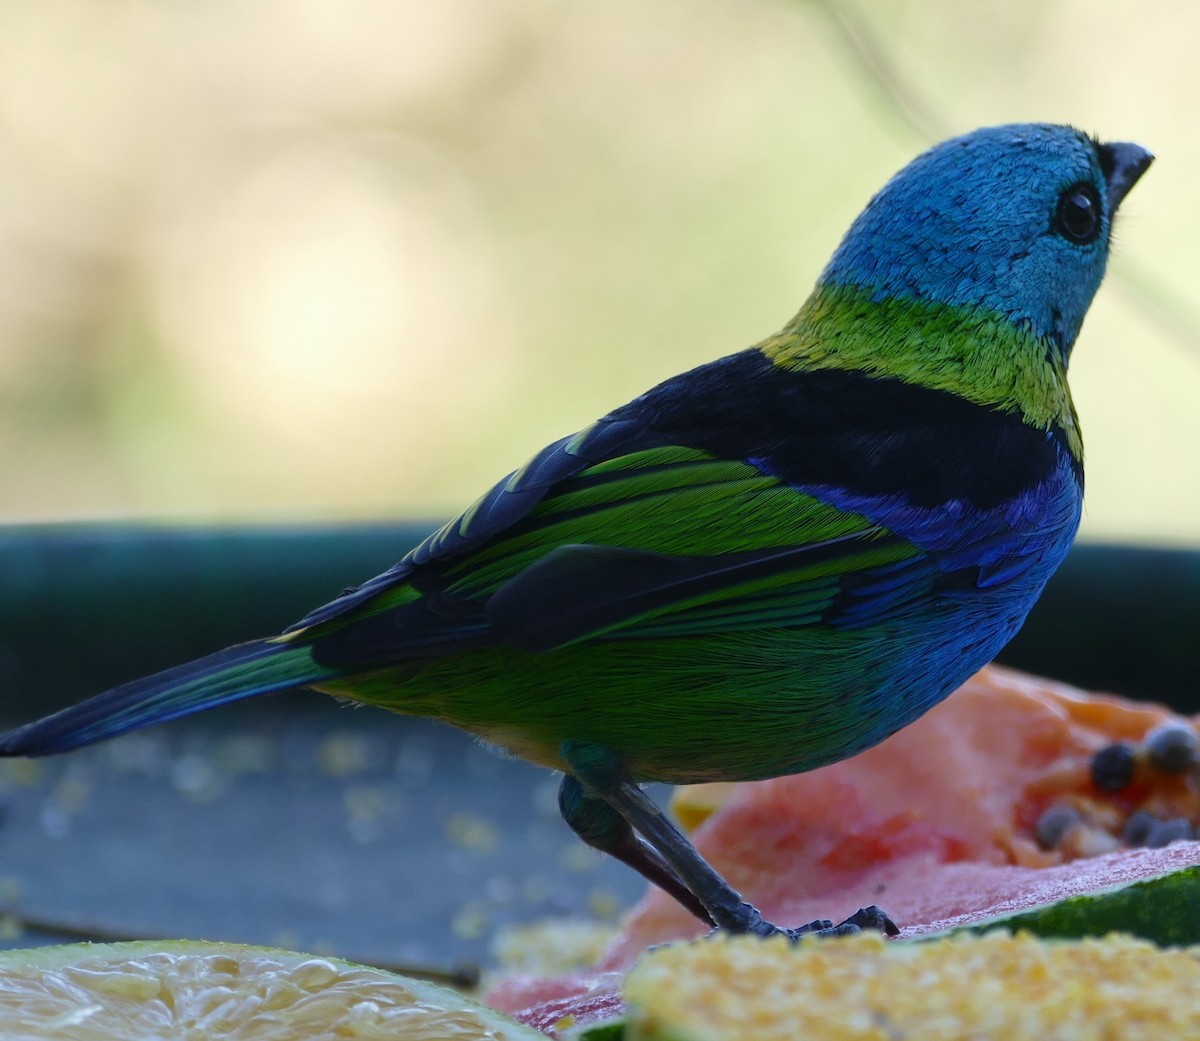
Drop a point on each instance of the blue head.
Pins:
(1014, 219)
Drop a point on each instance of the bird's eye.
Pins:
(1078, 217)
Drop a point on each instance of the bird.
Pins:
(761, 566)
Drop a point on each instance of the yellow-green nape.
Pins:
(977, 354)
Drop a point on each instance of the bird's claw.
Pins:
(872, 917)
(864, 918)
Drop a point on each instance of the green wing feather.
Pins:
(658, 541)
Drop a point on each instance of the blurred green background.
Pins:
(312, 260)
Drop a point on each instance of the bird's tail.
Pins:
(244, 671)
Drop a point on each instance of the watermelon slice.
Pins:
(937, 825)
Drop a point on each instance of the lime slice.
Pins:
(191, 991)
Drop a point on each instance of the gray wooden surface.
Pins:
(304, 825)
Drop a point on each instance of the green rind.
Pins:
(614, 1030)
(1164, 909)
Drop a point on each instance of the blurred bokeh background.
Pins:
(313, 260)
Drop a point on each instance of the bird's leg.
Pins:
(603, 828)
(601, 774)
(724, 905)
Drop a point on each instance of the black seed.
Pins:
(1138, 827)
(1166, 832)
(1112, 767)
(1054, 823)
(1173, 748)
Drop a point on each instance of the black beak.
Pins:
(1122, 163)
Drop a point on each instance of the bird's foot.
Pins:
(864, 918)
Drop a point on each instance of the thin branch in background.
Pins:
(900, 99)
(912, 111)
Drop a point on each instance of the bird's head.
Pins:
(1014, 219)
